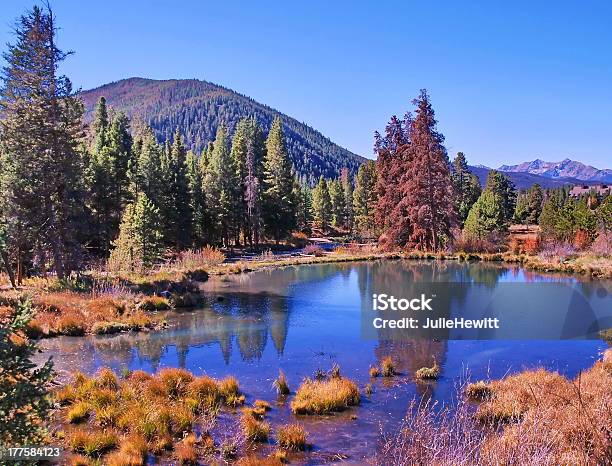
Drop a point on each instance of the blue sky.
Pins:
(510, 81)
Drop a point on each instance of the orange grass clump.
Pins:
(325, 396)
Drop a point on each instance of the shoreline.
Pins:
(135, 306)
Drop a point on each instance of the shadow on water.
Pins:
(303, 318)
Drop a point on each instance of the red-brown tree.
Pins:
(415, 207)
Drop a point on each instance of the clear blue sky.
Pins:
(510, 81)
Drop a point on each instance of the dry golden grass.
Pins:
(186, 451)
(281, 385)
(428, 373)
(387, 367)
(534, 417)
(374, 371)
(92, 442)
(292, 437)
(272, 460)
(254, 429)
(325, 396)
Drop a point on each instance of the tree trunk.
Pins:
(7, 266)
(55, 243)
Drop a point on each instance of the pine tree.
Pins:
(427, 189)
(42, 168)
(278, 202)
(100, 126)
(25, 403)
(504, 188)
(304, 206)
(248, 137)
(529, 205)
(149, 177)
(120, 143)
(392, 167)
(221, 188)
(197, 202)
(181, 203)
(252, 195)
(485, 217)
(365, 200)
(322, 206)
(140, 241)
(336, 194)
(347, 188)
(466, 185)
(489, 213)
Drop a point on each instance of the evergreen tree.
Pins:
(364, 200)
(248, 137)
(100, 126)
(485, 217)
(221, 188)
(140, 241)
(322, 206)
(197, 202)
(392, 168)
(336, 194)
(551, 213)
(529, 205)
(347, 187)
(505, 190)
(25, 404)
(252, 195)
(120, 143)
(278, 202)
(466, 185)
(427, 190)
(304, 208)
(181, 214)
(42, 169)
(149, 175)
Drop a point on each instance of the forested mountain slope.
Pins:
(198, 107)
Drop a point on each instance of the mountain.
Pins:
(524, 180)
(565, 169)
(198, 107)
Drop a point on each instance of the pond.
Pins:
(303, 318)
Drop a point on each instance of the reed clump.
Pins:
(388, 367)
(428, 373)
(292, 437)
(281, 385)
(325, 396)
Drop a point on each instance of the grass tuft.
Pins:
(325, 396)
(292, 437)
(428, 373)
(281, 385)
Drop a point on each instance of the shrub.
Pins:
(292, 437)
(194, 259)
(281, 385)
(428, 373)
(374, 371)
(298, 239)
(70, 325)
(313, 250)
(325, 396)
(554, 251)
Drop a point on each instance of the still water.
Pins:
(303, 318)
